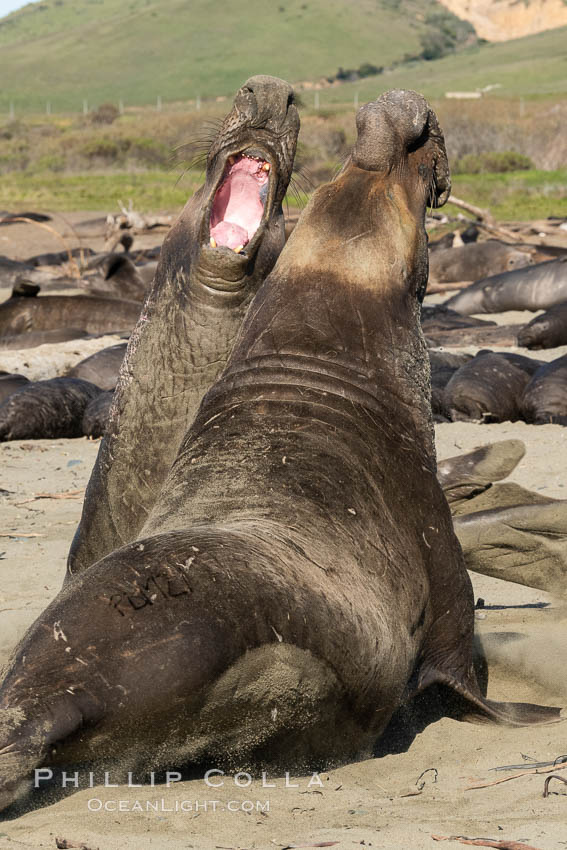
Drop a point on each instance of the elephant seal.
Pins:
(95, 417)
(478, 335)
(438, 317)
(11, 383)
(525, 544)
(489, 387)
(475, 260)
(101, 368)
(546, 331)
(443, 367)
(33, 339)
(46, 410)
(62, 312)
(120, 278)
(505, 531)
(298, 576)
(544, 399)
(465, 476)
(535, 288)
(215, 257)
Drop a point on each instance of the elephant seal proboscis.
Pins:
(489, 387)
(298, 576)
(475, 260)
(546, 331)
(223, 245)
(544, 400)
(43, 410)
(535, 288)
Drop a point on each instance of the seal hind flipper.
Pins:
(479, 709)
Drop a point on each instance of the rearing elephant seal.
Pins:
(221, 248)
(298, 576)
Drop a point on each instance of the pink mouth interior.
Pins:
(238, 208)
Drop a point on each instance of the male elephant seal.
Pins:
(298, 576)
(544, 399)
(475, 260)
(46, 409)
(221, 248)
(546, 331)
(535, 288)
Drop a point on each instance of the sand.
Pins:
(374, 803)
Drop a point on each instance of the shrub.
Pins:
(493, 162)
(105, 114)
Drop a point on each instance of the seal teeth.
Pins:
(266, 166)
(213, 242)
(239, 249)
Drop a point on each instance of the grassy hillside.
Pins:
(534, 66)
(67, 50)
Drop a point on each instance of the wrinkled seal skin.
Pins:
(475, 260)
(282, 598)
(544, 399)
(46, 409)
(489, 387)
(535, 288)
(546, 331)
(188, 325)
(101, 368)
(61, 312)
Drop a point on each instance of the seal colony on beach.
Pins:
(297, 578)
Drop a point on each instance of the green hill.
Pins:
(64, 51)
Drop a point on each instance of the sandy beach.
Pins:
(399, 800)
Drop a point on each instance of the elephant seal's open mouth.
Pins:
(242, 201)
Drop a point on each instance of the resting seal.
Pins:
(298, 576)
(101, 368)
(46, 409)
(11, 383)
(489, 387)
(544, 399)
(505, 531)
(201, 292)
(546, 331)
(535, 288)
(62, 312)
(475, 260)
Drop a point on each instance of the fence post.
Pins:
(85, 107)
(158, 104)
(12, 111)
(316, 100)
(198, 102)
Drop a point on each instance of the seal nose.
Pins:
(265, 101)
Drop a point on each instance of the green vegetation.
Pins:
(149, 192)
(492, 162)
(516, 196)
(64, 51)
